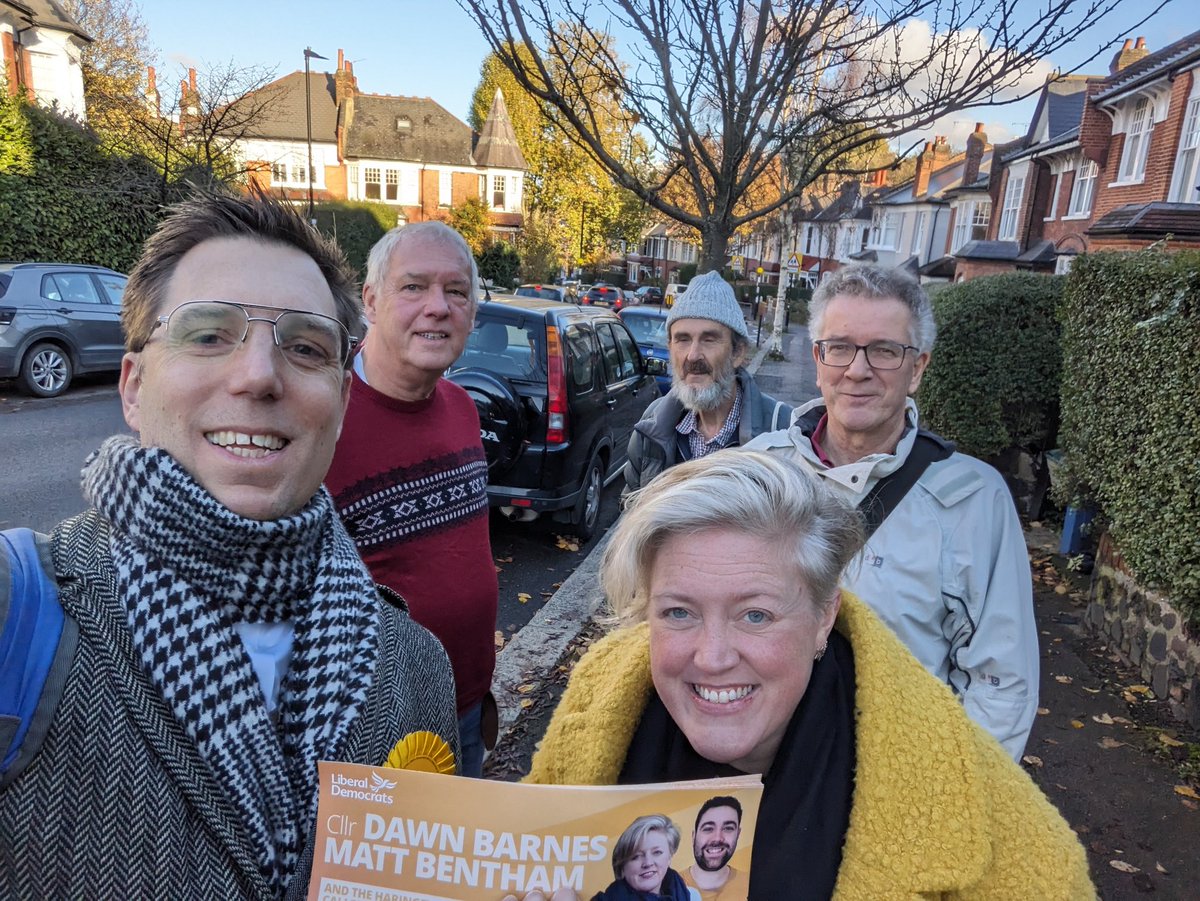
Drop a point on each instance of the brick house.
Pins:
(408, 152)
(40, 46)
(663, 249)
(1110, 163)
(944, 204)
(830, 232)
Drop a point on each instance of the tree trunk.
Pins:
(714, 244)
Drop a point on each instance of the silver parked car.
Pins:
(58, 320)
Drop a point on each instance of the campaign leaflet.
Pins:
(402, 835)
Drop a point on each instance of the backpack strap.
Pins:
(37, 645)
(887, 493)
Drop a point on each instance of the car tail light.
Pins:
(556, 389)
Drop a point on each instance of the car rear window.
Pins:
(581, 357)
(509, 350)
(647, 329)
(5, 281)
(114, 287)
(544, 293)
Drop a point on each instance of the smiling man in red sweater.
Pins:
(409, 476)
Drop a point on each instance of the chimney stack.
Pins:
(345, 84)
(924, 167)
(976, 142)
(1129, 54)
(153, 100)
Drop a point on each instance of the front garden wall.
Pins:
(1148, 631)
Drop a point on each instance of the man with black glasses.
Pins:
(175, 660)
(945, 564)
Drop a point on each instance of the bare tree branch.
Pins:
(735, 95)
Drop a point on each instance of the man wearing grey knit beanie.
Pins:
(713, 403)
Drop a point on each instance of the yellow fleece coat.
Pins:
(939, 809)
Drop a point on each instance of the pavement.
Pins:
(1104, 750)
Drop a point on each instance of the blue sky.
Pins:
(431, 48)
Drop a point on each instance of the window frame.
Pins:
(1185, 179)
(1080, 205)
(1011, 208)
(1137, 143)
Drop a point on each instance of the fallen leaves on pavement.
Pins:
(523, 597)
(1065, 680)
(1103, 719)
(1031, 760)
(566, 543)
(1187, 791)
(1123, 866)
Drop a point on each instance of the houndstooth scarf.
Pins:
(188, 569)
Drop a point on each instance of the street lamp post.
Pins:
(309, 54)
(582, 217)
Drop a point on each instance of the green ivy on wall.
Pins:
(1131, 409)
(62, 198)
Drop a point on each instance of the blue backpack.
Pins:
(37, 644)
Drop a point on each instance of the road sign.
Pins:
(736, 263)
(793, 264)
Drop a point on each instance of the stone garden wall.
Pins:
(1147, 631)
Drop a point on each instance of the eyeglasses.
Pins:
(311, 342)
(880, 354)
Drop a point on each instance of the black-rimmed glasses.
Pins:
(311, 342)
(881, 355)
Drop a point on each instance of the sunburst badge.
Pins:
(423, 751)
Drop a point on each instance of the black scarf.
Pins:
(188, 569)
(672, 889)
(807, 793)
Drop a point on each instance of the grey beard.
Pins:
(711, 397)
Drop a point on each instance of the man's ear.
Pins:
(919, 364)
(130, 386)
(370, 296)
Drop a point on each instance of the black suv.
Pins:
(559, 388)
(57, 320)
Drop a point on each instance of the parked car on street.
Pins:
(604, 295)
(648, 325)
(546, 292)
(649, 294)
(559, 388)
(58, 320)
(673, 291)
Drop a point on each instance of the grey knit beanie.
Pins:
(709, 296)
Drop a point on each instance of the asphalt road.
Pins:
(43, 443)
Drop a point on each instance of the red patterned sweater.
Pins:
(410, 482)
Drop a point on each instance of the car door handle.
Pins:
(611, 402)
(63, 310)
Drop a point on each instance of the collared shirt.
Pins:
(701, 447)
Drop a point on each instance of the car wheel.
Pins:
(46, 371)
(587, 510)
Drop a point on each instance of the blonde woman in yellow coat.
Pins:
(738, 654)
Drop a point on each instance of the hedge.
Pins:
(1131, 409)
(63, 199)
(993, 383)
(355, 226)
